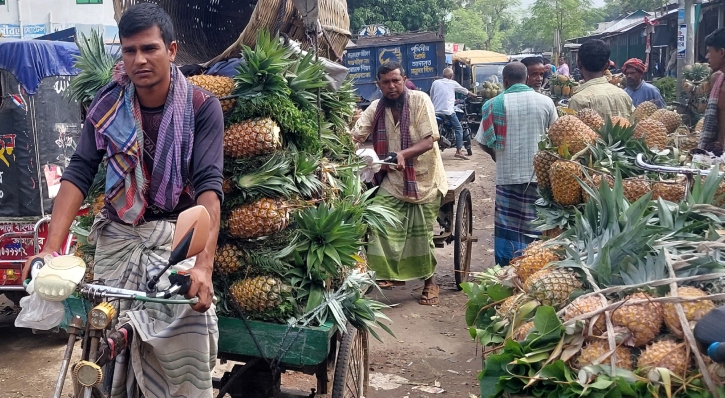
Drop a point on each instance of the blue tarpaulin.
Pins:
(30, 61)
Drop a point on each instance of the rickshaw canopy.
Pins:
(472, 57)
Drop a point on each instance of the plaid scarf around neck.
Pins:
(710, 133)
(380, 144)
(493, 119)
(116, 116)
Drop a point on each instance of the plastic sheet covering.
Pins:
(30, 61)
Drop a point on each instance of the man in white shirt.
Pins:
(443, 95)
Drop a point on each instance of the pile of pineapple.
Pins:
(696, 85)
(563, 86)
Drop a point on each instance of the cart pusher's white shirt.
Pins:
(443, 95)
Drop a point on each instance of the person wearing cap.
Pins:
(639, 90)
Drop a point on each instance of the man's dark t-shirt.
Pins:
(205, 169)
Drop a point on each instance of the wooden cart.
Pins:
(455, 218)
(339, 360)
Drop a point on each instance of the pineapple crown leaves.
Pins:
(305, 174)
(270, 180)
(327, 242)
(304, 77)
(261, 71)
(704, 190)
(96, 68)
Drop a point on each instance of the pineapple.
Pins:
(594, 183)
(569, 130)
(257, 219)
(689, 142)
(259, 294)
(564, 185)
(228, 259)
(644, 110)
(654, 133)
(694, 310)
(665, 354)
(716, 286)
(584, 305)
(542, 163)
(552, 286)
(98, 204)
(553, 233)
(523, 331)
(534, 258)
(591, 118)
(220, 86)
(512, 303)
(673, 191)
(635, 187)
(698, 126)
(252, 137)
(671, 119)
(227, 186)
(644, 320)
(621, 121)
(599, 350)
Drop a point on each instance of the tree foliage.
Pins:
(573, 18)
(466, 27)
(482, 24)
(399, 15)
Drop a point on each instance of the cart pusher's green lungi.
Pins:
(174, 348)
(404, 253)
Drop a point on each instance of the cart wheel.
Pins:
(351, 367)
(462, 241)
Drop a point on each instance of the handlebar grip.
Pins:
(181, 279)
(716, 352)
(35, 265)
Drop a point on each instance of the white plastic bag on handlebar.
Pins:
(367, 173)
(36, 313)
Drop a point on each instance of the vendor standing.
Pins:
(639, 90)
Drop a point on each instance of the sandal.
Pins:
(389, 284)
(430, 295)
(461, 156)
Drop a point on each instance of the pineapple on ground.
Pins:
(644, 321)
(591, 118)
(252, 137)
(694, 310)
(542, 163)
(654, 133)
(598, 350)
(635, 187)
(673, 191)
(644, 110)
(585, 305)
(569, 130)
(228, 259)
(259, 294)
(564, 186)
(665, 354)
(670, 119)
(534, 258)
(621, 121)
(552, 286)
(257, 219)
(220, 86)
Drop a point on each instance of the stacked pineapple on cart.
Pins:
(605, 303)
(290, 267)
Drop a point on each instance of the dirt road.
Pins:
(432, 350)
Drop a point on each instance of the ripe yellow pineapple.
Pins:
(674, 191)
(542, 163)
(644, 110)
(595, 183)
(534, 258)
(261, 218)
(552, 286)
(552, 233)
(598, 349)
(654, 133)
(621, 121)
(635, 187)
(694, 310)
(228, 259)
(564, 185)
(523, 331)
(259, 294)
(585, 305)
(98, 204)
(698, 126)
(220, 86)
(644, 321)
(671, 119)
(508, 307)
(665, 354)
(569, 130)
(252, 137)
(591, 118)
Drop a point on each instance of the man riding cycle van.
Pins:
(161, 140)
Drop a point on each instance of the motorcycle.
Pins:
(445, 128)
(62, 276)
